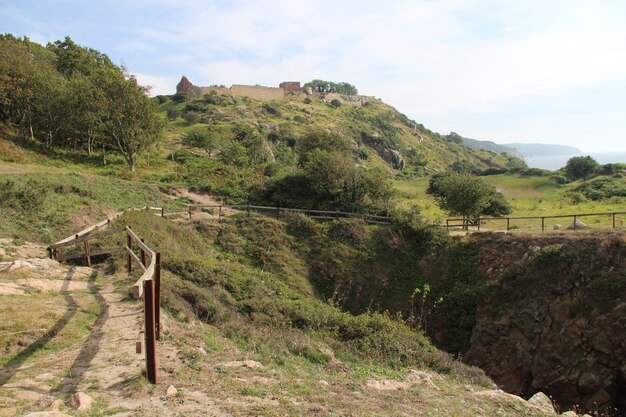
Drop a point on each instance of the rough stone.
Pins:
(543, 403)
(81, 401)
(588, 383)
(8, 412)
(569, 414)
(577, 224)
(171, 391)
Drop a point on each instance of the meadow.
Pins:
(528, 196)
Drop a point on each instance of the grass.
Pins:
(528, 196)
(60, 322)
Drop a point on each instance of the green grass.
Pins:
(528, 196)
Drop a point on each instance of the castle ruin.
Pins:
(286, 89)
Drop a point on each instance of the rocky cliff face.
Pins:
(554, 318)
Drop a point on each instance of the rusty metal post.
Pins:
(508, 223)
(574, 222)
(479, 224)
(129, 245)
(87, 253)
(157, 296)
(613, 220)
(219, 212)
(190, 211)
(543, 224)
(447, 224)
(143, 255)
(162, 211)
(150, 342)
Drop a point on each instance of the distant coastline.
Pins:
(554, 162)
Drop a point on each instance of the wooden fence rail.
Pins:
(465, 223)
(147, 288)
(279, 211)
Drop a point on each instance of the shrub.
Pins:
(335, 103)
(300, 225)
(191, 117)
(349, 230)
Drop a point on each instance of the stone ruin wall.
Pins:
(257, 92)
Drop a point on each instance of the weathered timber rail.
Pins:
(147, 287)
(466, 223)
(280, 211)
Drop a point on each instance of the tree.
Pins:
(466, 195)
(580, 167)
(318, 139)
(201, 138)
(131, 121)
(321, 86)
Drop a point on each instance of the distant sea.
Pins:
(554, 162)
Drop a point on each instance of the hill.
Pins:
(379, 133)
(485, 145)
(541, 149)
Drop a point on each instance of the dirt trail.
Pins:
(204, 198)
(104, 366)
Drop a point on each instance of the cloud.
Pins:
(158, 85)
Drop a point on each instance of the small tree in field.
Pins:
(201, 138)
(467, 195)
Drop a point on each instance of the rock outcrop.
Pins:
(556, 322)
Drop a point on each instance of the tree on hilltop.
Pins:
(322, 86)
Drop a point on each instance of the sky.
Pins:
(533, 71)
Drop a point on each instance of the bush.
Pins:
(28, 197)
(335, 103)
(349, 230)
(300, 225)
(191, 117)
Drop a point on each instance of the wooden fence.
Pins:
(147, 288)
(278, 212)
(466, 223)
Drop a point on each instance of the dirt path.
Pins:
(204, 198)
(104, 365)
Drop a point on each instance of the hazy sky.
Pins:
(547, 71)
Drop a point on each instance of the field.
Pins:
(528, 196)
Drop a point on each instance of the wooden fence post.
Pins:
(278, 213)
(87, 253)
(157, 295)
(508, 223)
(129, 245)
(150, 342)
(479, 223)
(162, 211)
(543, 224)
(143, 255)
(219, 212)
(574, 222)
(613, 220)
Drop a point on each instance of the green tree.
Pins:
(322, 86)
(201, 138)
(131, 122)
(466, 195)
(173, 112)
(580, 167)
(325, 141)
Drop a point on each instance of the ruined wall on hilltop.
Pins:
(257, 92)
